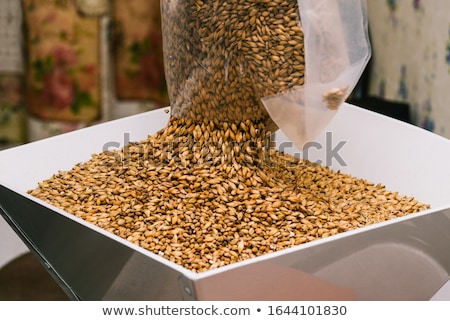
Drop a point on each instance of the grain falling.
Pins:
(208, 194)
(221, 57)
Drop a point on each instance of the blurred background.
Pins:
(69, 64)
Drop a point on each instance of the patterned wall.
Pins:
(411, 58)
(68, 64)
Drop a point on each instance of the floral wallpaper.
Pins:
(12, 104)
(137, 51)
(411, 58)
(12, 111)
(74, 63)
(62, 61)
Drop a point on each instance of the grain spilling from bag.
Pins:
(205, 195)
(221, 57)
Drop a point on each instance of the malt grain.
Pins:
(205, 195)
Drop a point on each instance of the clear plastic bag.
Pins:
(285, 63)
(337, 49)
(221, 57)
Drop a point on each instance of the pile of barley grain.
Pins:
(221, 56)
(204, 195)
